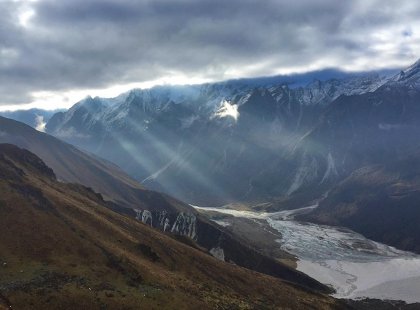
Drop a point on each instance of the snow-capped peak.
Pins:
(410, 74)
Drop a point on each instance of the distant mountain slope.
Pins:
(36, 118)
(276, 143)
(212, 143)
(73, 165)
(372, 127)
(60, 247)
(381, 202)
(373, 143)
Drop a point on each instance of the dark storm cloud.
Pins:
(85, 44)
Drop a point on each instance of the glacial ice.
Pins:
(355, 266)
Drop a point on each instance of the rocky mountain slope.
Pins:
(372, 140)
(36, 118)
(277, 143)
(61, 247)
(213, 143)
(72, 165)
(379, 201)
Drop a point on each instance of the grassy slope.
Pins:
(63, 249)
(72, 165)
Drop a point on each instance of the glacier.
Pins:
(353, 265)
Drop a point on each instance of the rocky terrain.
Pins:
(379, 201)
(245, 142)
(212, 143)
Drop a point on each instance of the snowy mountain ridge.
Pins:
(409, 77)
(207, 143)
(205, 100)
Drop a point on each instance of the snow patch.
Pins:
(156, 174)
(40, 123)
(185, 225)
(306, 172)
(144, 216)
(147, 217)
(401, 281)
(331, 169)
(138, 214)
(218, 253)
(222, 223)
(164, 221)
(227, 109)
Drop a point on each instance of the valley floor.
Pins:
(355, 266)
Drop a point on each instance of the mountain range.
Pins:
(251, 141)
(205, 143)
(346, 143)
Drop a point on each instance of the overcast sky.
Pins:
(53, 53)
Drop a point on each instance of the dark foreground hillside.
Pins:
(128, 197)
(60, 247)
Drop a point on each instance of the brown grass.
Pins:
(64, 249)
